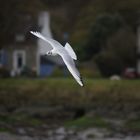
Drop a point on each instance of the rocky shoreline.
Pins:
(61, 133)
(34, 126)
(104, 110)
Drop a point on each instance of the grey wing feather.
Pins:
(72, 68)
(52, 42)
(39, 35)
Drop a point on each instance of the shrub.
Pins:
(109, 64)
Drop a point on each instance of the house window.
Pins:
(2, 57)
(19, 61)
(20, 38)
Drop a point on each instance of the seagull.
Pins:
(67, 53)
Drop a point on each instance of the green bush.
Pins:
(109, 64)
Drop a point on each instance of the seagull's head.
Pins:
(52, 52)
(49, 53)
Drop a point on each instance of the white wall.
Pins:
(138, 49)
(44, 22)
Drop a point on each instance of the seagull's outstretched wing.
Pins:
(72, 68)
(39, 35)
(52, 42)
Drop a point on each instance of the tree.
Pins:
(104, 26)
(120, 53)
(127, 9)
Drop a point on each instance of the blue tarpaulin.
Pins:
(46, 69)
(3, 57)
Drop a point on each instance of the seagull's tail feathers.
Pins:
(70, 51)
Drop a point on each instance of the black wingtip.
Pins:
(82, 81)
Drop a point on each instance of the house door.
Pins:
(19, 60)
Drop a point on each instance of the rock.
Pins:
(71, 132)
(119, 135)
(92, 131)
(21, 131)
(50, 133)
(115, 77)
(60, 131)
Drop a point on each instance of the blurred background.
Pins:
(39, 99)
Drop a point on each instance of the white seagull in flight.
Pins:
(66, 53)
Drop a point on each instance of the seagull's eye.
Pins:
(49, 53)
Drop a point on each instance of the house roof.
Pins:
(22, 33)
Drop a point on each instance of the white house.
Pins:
(25, 54)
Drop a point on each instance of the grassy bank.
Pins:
(33, 102)
(104, 96)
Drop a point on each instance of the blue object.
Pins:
(46, 69)
(3, 57)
